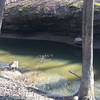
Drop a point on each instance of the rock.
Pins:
(13, 65)
(10, 74)
(15, 90)
(75, 98)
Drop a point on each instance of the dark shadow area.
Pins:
(37, 48)
(97, 64)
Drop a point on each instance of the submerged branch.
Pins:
(75, 74)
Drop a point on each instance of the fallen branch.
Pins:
(75, 74)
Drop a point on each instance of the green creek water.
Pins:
(52, 61)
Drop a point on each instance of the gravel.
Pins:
(13, 87)
(15, 90)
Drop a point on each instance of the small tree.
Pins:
(86, 91)
(2, 4)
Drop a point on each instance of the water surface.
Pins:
(52, 61)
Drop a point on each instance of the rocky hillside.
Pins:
(27, 17)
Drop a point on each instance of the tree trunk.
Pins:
(86, 91)
(2, 4)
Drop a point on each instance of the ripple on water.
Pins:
(62, 87)
(59, 86)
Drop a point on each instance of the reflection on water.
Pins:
(53, 59)
(60, 87)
